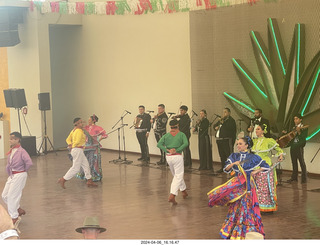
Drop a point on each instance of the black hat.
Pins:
(173, 122)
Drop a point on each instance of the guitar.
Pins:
(284, 140)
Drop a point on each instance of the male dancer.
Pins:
(18, 163)
(76, 141)
(142, 132)
(173, 144)
(160, 128)
(184, 126)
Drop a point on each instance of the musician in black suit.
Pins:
(254, 123)
(225, 136)
(142, 132)
(160, 128)
(297, 150)
(184, 127)
(204, 145)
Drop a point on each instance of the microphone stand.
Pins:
(210, 124)
(119, 159)
(315, 155)
(124, 146)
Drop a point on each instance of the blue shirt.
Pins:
(248, 161)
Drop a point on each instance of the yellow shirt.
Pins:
(76, 138)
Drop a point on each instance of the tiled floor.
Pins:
(131, 202)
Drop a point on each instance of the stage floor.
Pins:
(131, 202)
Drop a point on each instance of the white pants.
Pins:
(79, 161)
(12, 192)
(176, 165)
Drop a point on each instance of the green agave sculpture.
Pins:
(287, 87)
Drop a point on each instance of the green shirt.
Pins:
(178, 142)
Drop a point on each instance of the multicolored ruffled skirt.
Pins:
(244, 213)
(266, 191)
(94, 158)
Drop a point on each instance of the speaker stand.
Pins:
(45, 138)
(18, 109)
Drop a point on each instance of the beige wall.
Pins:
(119, 63)
(108, 65)
(4, 82)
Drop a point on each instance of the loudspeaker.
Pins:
(29, 144)
(44, 101)
(10, 17)
(8, 98)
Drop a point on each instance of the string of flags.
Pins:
(134, 7)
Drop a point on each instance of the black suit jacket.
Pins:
(228, 129)
(146, 124)
(184, 125)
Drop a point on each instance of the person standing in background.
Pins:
(160, 128)
(204, 144)
(255, 121)
(143, 127)
(225, 136)
(297, 150)
(184, 127)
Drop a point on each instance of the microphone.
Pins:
(150, 111)
(128, 111)
(194, 113)
(217, 115)
(171, 113)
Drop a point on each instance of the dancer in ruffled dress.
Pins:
(239, 193)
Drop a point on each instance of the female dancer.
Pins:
(205, 150)
(239, 193)
(94, 135)
(266, 183)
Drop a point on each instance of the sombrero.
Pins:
(91, 222)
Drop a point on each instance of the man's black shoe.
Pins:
(291, 180)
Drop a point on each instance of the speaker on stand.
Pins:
(44, 105)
